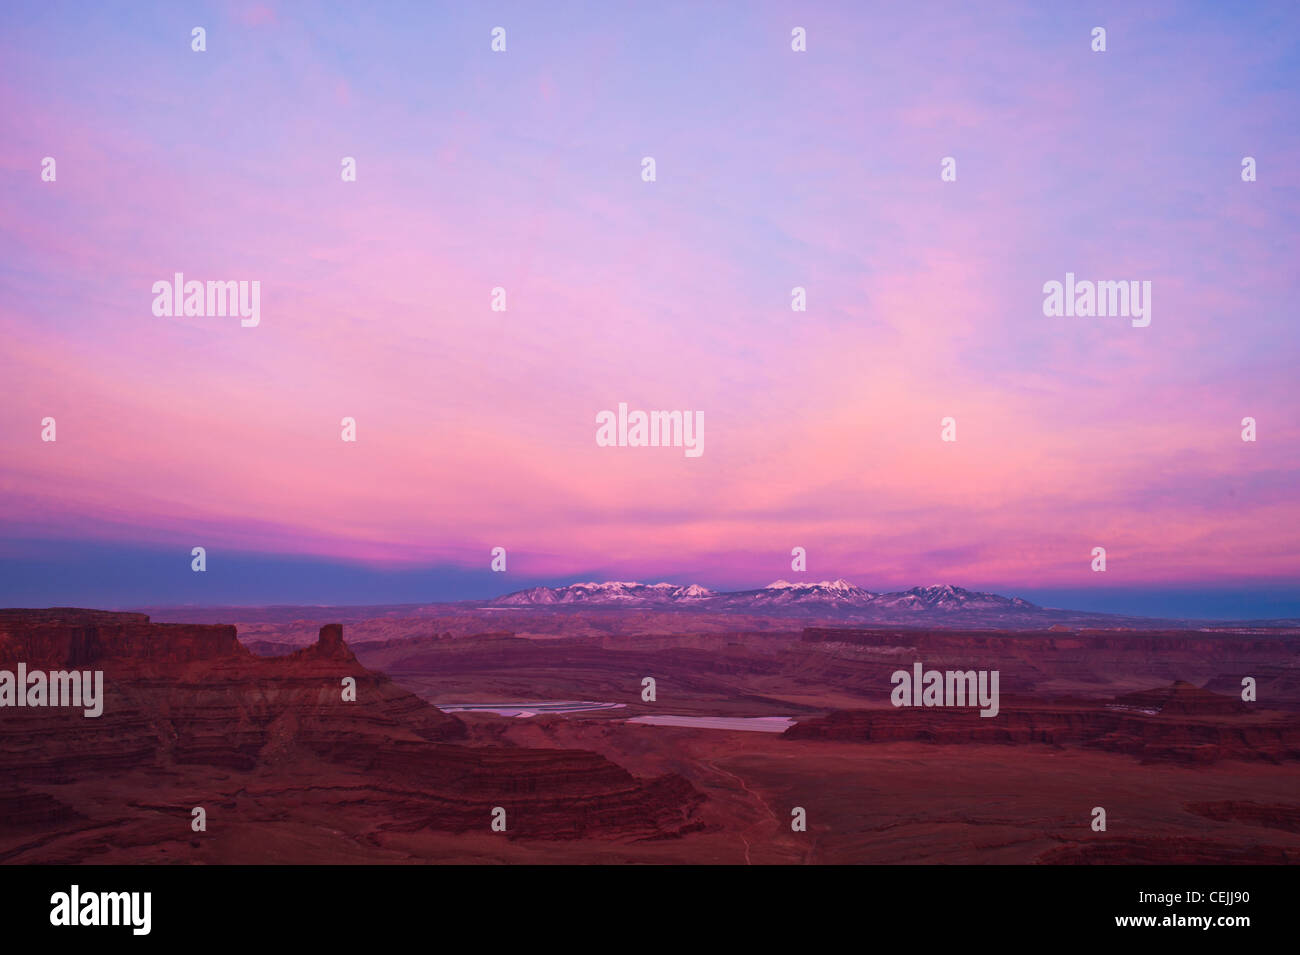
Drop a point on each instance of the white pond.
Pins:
(751, 724)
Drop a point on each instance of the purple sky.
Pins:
(522, 169)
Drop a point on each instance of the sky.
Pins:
(774, 169)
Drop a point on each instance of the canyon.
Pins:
(192, 718)
(246, 719)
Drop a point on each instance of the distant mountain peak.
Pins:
(613, 592)
(839, 584)
(824, 596)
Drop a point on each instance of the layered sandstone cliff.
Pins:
(1084, 663)
(191, 707)
(1181, 723)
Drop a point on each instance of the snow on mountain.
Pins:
(826, 594)
(784, 593)
(946, 597)
(608, 593)
(828, 586)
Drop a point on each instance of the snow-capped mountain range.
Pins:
(614, 593)
(826, 595)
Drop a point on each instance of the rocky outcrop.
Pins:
(54, 639)
(1181, 698)
(23, 811)
(1046, 661)
(191, 702)
(1179, 723)
(1284, 816)
(1181, 851)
